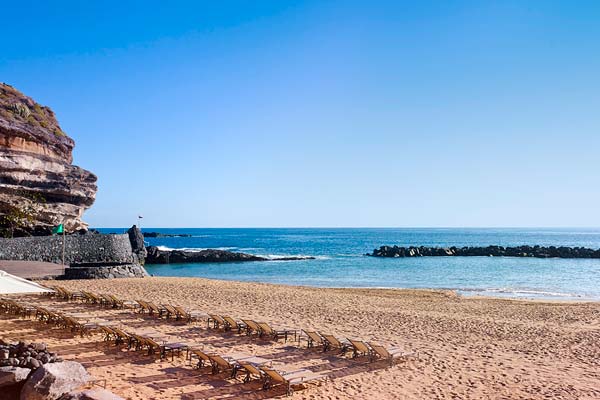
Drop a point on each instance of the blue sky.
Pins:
(322, 113)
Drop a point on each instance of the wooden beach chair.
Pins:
(164, 348)
(83, 328)
(155, 310)
(250, 371)
(122, 337)
(359, 348)
(168, 311)
(290, 379)
(143, 307)
(119, 303)
(219, 364)
(107, 301)
(313, 339)
(203, 358)
(266, 329)
(217, 321)
(137, 342)
(189, 316)
(91, 298)
(333, 343)
(389, 354)
(251, 327)
(109, 333)
(232, 324)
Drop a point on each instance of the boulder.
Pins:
(12, 375)
(137, 243)
(91, 394)
(51, 381)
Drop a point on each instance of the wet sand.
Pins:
(468, 347)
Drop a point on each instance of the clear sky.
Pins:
(321, 113)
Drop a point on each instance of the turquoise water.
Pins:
(341, 262)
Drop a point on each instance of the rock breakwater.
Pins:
(488, 251)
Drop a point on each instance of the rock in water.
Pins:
(51, 381)
(137, 243)
(39, 188)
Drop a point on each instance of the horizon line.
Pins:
(352, 227)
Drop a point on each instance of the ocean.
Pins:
(340, 259)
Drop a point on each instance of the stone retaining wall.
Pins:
(79, 249)
(105, 272)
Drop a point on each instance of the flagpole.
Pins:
(63, 252)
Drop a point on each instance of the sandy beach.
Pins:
(467, 347)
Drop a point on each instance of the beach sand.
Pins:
(468, 347)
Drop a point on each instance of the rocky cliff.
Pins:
(39, 188)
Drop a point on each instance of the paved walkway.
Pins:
(32, 269)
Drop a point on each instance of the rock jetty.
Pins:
(39, 187)
(489, 251)
(158, 256)
(163, 235)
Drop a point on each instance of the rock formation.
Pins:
(51, 381)
(158, 256)
(488, 251)
(39, 188)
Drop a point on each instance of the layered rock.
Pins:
(39, 188)
(487, 251)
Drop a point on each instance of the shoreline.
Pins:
(456, 292)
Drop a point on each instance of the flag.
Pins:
(58, 229)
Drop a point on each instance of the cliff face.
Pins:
(39, 188)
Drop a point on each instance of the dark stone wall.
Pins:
(106, 272)
(79, 249)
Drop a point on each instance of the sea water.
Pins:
(340, 260)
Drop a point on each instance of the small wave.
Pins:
(194, 249)
(520, 292)
(280, 256)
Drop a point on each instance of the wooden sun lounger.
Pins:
(155, 310)
(109, 333)
(360, 348)
(217, 321)
(313, 339)
(168, 311)
(68, 295)
(107, 301)
(203, 358)
(290, 379)
(389, 354)
(91, 298)
(250, 370)
(164, 348)
(219, 364)
(251, 327)
(266, 329)
(122, 337)
(232, 324)
(189, 316)
(119, 303)
(144, 307)
(333, 343)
